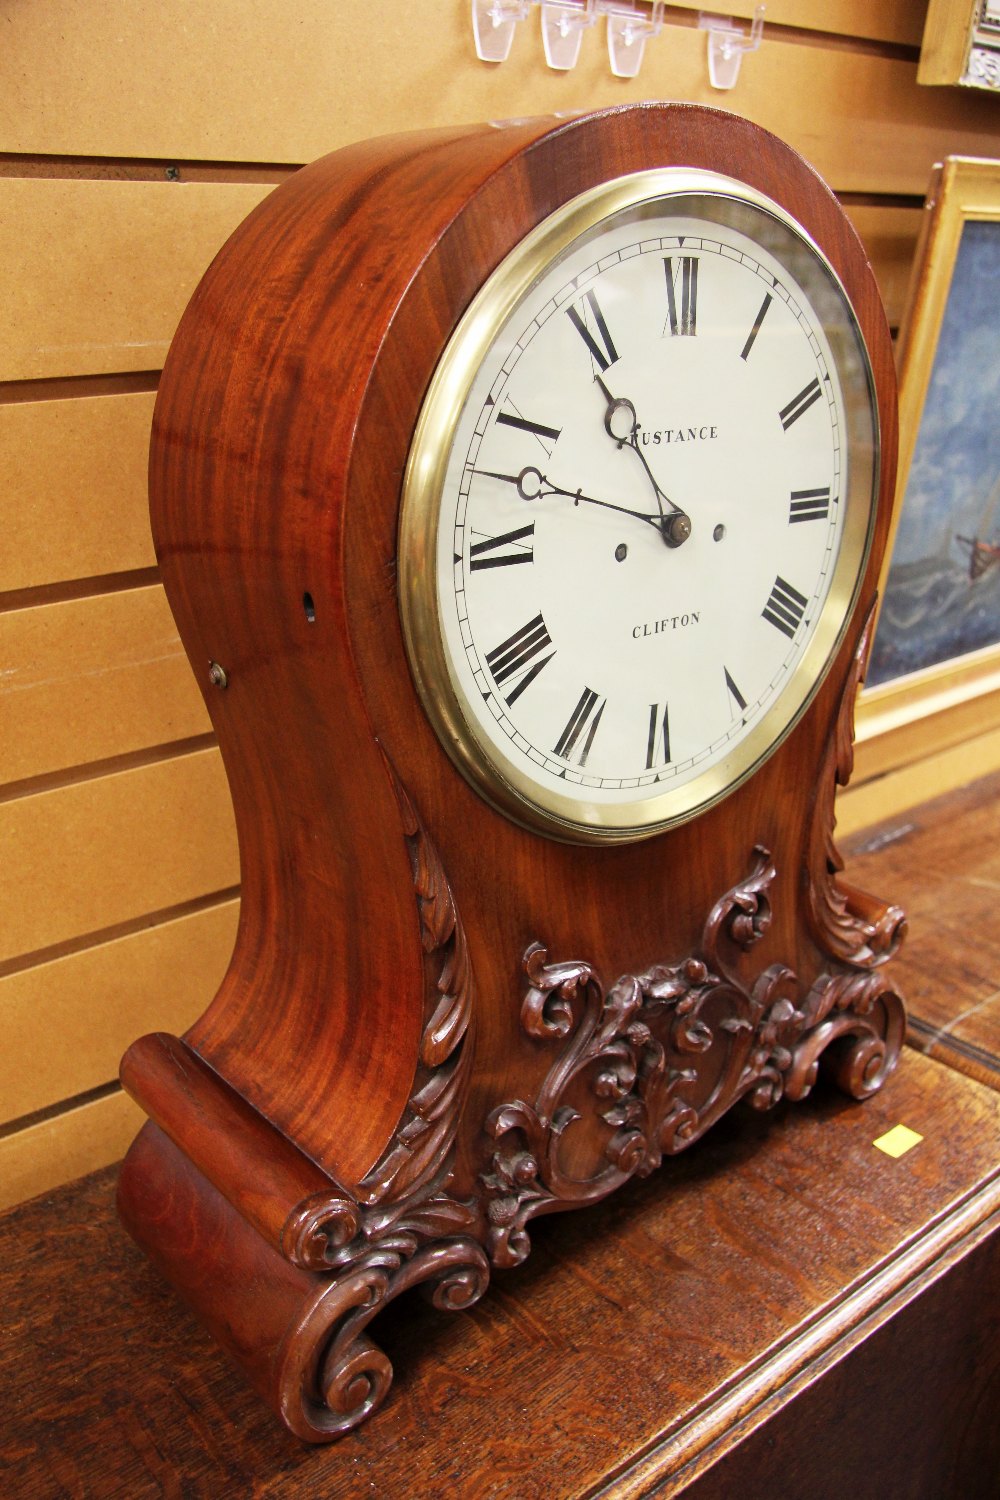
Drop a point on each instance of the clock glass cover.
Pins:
(638, 505)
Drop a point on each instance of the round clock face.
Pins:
(637, 506)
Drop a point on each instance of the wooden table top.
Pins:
(941, 863)
(638, 1333)
(643, 1340)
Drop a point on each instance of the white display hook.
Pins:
(630, 24)
(727, 44)
(563, 25)
(628, 32)
(493, 25)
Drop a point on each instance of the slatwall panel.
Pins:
(132, 140)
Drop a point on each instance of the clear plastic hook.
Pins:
(727, 44)
(493, 26)
(563, 25)
(628, 32)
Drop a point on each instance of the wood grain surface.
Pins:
(785, 1301)
(943, 861)
(314, 706)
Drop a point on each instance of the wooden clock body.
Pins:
(437, 1024)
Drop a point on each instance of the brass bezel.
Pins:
(504, 783)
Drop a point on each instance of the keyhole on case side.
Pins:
(309, 608)
(621, 552)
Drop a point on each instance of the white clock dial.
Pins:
(638, 506)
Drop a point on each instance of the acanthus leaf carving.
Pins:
(664, 1053)
(851, 926)
(416, 1156)
(403, 1228)
(403, 1201)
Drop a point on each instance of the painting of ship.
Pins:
(942, 593)
(984, 555)
(939, 607)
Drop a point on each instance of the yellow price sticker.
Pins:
(898, 1140)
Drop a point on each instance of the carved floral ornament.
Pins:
(653, 1061)
(667, 1052)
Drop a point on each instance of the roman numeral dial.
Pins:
(541, 430)
(734, 692)
(800, 404)
(503, 551)
(757, 325)
(658, 738)
(785, 607)
(597, 339)
(581, 727)
(680, 357)
(809, 505)
(519, 658)
(682, 294)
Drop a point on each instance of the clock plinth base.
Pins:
(297, 1335)
(289, 1285)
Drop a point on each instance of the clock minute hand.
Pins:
(675, 527)
(532, 484)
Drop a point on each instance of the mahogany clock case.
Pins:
(436, 1023)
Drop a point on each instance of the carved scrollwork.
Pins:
(320, 1227)
(332, 1377)
(640, 1052)
(664, 1053)
(850, 925)
(862, 1020)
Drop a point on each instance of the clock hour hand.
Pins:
(532, 484)
(622, 424)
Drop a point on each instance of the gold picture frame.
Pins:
(961, 44)
(943, 716)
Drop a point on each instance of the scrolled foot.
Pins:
(859, 1046)
(332, 1376)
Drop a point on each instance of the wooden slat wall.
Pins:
(132, 140)
(74, 489)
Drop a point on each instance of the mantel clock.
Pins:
(520, 494)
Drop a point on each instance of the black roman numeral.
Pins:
(604, 352)
(485, 554)
(785, 607)
(802, 402)
(734, 691)
(586, 713)
(809, 505)
(687, 272)
(768, 299)
(546, 435)
(656, 727)
(513, 655)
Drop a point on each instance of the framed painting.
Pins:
(961, 44)
(934, 673)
